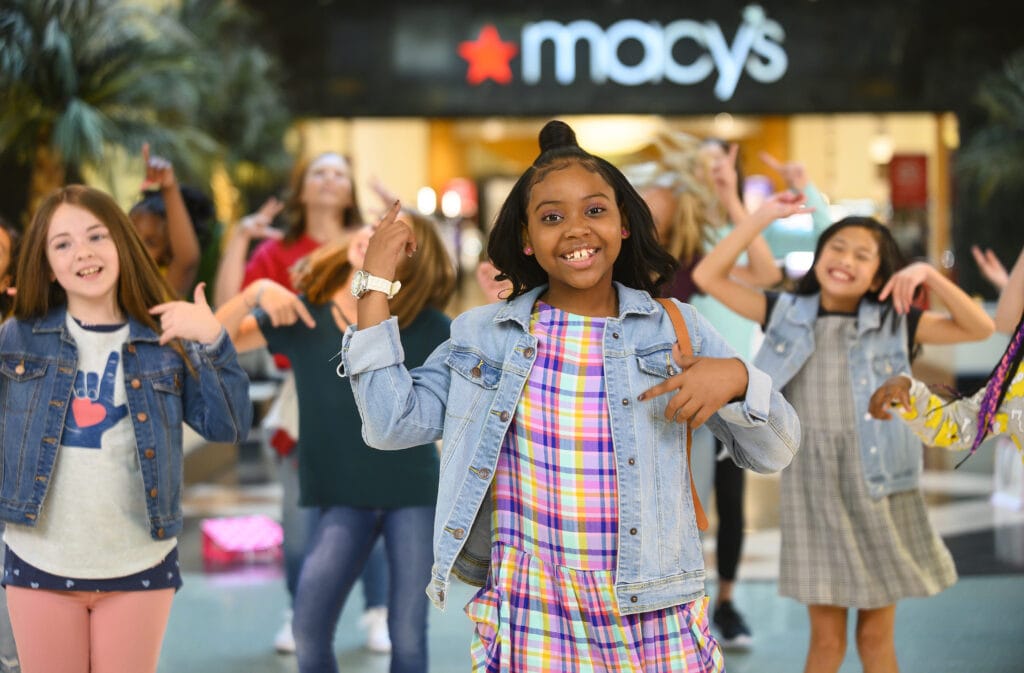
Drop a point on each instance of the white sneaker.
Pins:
(375, 621)
(284, 641)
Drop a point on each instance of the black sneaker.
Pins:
(733, 631)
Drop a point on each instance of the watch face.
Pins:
(359, 284)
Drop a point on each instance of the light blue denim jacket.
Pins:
(890, 453)
(38, 364)
(467, 391)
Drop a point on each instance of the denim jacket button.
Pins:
(631, 461)
(484, 473)
(780, 348)
(142, 417)
(150, 453)
(528, 353)
(632, 531)
(160, 533)
(131, 349)
(633, 599)
(136, 384)
(152, 492)
(625, 401)
(440, 595)
(458, 533)
(476, 372)
(504, 416)
(20, 369)
(615, 335)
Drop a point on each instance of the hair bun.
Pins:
(555, 134)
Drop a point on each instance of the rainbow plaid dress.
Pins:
(549, 603)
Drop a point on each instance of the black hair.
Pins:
(198, 205)
(890, 259)
(642, 263)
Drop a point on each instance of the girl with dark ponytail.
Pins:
(564, 413)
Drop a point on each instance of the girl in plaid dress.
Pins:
(564, 488)
(855, 532)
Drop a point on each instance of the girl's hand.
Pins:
(893, 393)
(283, 307)
(392, 240)
(494, 290)
(159, 171)
(258, 224)
(903, 285)
(991, 267)
(791, 172)
(778, 206)
(723, 173)
(183, 320)
(704, 386)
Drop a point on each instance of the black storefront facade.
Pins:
(530, 59)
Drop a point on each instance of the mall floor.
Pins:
(224, 619)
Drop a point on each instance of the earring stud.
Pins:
(527, 250)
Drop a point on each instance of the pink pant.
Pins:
(88, 632)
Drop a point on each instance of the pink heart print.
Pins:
(87, 413)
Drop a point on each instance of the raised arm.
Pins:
(966, 320)
(231, 270)
(283, 307)
(181, 235)
(950, 424)
(760, 269)
(1011, 288)
(713, 274)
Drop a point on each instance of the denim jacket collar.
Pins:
(55, 321)
(804, 311)
(630, 302)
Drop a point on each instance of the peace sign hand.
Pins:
(259, 224)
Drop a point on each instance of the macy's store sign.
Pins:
(756, 49)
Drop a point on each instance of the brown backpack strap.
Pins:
(683, 337)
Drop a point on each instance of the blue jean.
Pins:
(298, 524)
(8, 652)
(342, 543)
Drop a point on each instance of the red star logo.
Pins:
(488, 57)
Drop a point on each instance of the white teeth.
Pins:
(90, 271)
(578, 254)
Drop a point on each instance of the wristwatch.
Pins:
(364, 282)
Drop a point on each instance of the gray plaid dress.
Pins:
(840, 546)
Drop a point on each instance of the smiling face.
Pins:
(153, 231)
(575, 229)
(327, 183)
(847, 268)
(83, 260)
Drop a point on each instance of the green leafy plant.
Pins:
(993, 157)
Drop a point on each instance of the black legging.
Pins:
(729, 505)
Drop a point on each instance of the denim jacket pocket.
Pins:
(475, 368)
(20, 369)
(474, 385)
(169, 389)
(886, 366)
(23, 378)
